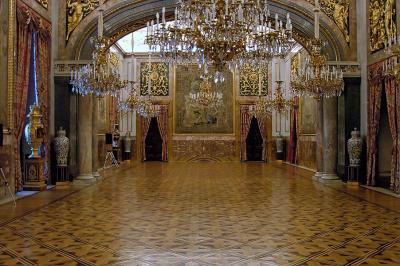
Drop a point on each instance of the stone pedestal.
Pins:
(34, 174)
(320, 140)
(330, 139)
(85, 135)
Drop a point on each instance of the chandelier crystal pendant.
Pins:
(101, 78)
(205, 97)
(278, 102)
(220, 33)
(315, 78)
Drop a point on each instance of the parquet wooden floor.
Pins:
(205, 214)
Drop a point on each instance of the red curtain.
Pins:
(145, 125)
(162, 121)
(23, 54)
(245, 128)
(375, 87)
(293, 136)
(263, 129)
(393, 107)
(28, 21)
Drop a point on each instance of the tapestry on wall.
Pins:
(308, 116)
(189, 119)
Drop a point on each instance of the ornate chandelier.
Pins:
(220, 33)
(278, 102)
(205, 97)
(316, 79)
(101, 78)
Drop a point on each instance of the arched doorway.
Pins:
(153, 142)
(254, 142)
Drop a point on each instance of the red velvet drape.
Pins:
(29, 21)
(375, 87)
(145, 125)
(263, 129)
(245, 128)
(23, 54)
(393, 107)
(162, 121)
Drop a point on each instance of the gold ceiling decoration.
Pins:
(249, 81)
(44, 3)
(382, 23)
(76, 11)
(159, 79)
(338, 10)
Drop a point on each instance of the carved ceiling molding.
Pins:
(338, 11)
(43, 3)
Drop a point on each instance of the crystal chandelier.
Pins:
(205, 97)
(279, 103)
(315, 78)
(220, 33)
(101, 78)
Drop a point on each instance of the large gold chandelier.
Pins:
(315, 78)
(220, 33)
(102, 77)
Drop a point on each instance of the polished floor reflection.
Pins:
(205, 214)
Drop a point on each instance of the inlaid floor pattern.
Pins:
(205, 214)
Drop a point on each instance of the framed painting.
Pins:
(191, 119)
(308, 116)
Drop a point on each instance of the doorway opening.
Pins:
(254, 142)
(153, 142)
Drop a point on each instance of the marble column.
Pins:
(330, 138)
(85, 137)
(95, 139)
(320, 139)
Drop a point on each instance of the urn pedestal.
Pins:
(61, 146)
(34, 174)
(354, 148)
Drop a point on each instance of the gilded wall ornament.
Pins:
(382, 23)
(43, 3)
(159, 79)
(76, 11)
(249, 81)
(338, 10)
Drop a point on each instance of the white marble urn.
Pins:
(354, 147)
(61, 147)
